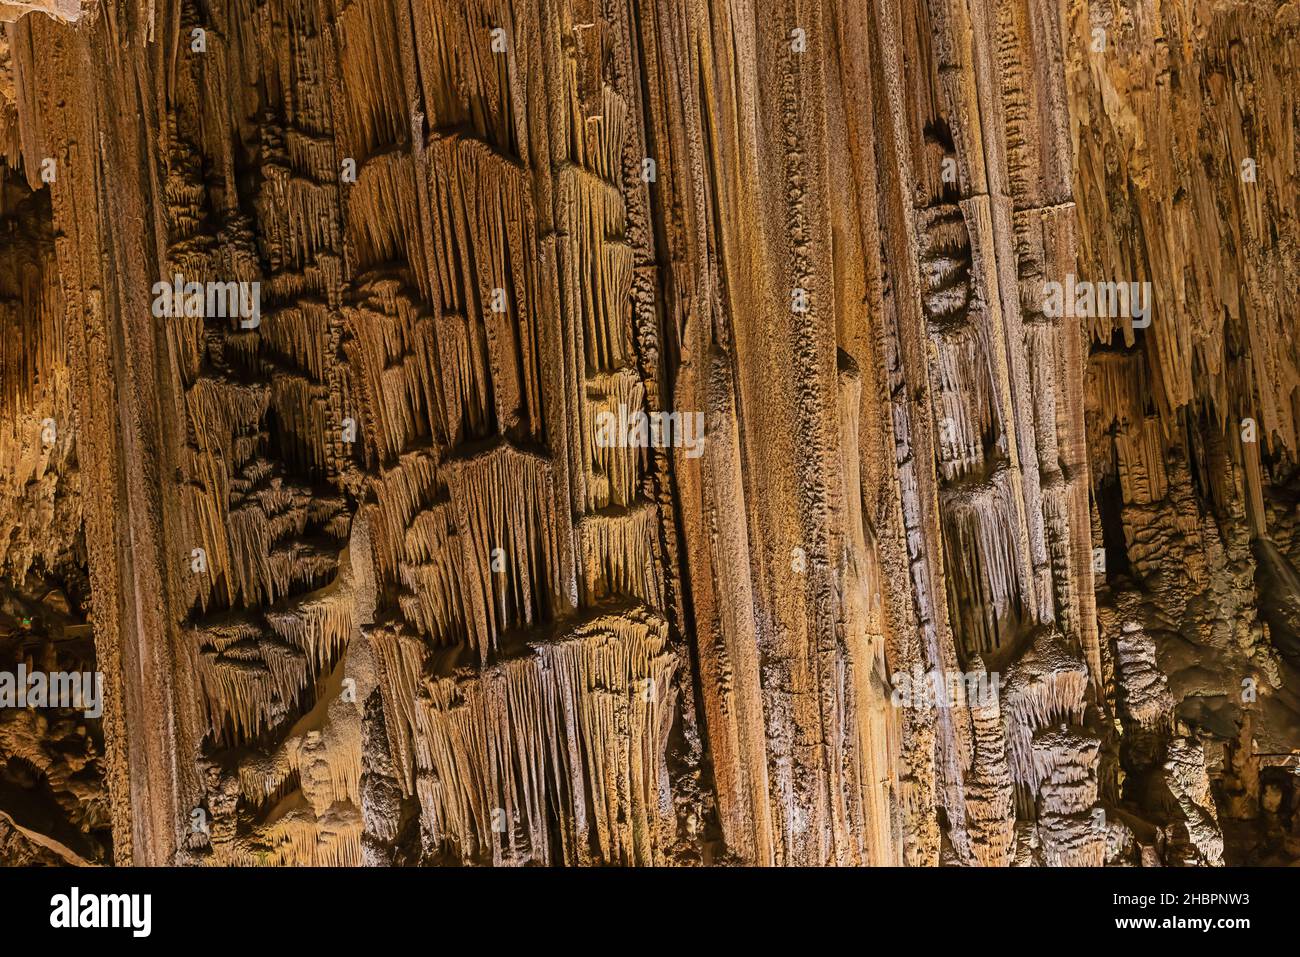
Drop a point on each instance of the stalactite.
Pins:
(590, 737)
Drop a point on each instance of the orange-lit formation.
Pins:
(649, 432)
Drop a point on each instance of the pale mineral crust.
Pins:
(651, 432)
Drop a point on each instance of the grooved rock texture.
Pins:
(649, 432)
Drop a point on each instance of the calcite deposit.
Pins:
(650, 432)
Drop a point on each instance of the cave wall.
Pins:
(375, 573)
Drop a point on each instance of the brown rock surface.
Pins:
(651, 432)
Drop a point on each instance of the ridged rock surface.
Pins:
(651, 432)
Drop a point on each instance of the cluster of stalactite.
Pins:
(1191, 182)
(371, 580)
(53, 803)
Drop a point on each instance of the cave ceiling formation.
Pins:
(650, 432)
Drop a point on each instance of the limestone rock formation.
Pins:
(649, 432)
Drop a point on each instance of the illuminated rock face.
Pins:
(67, 11)
(650, 433)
